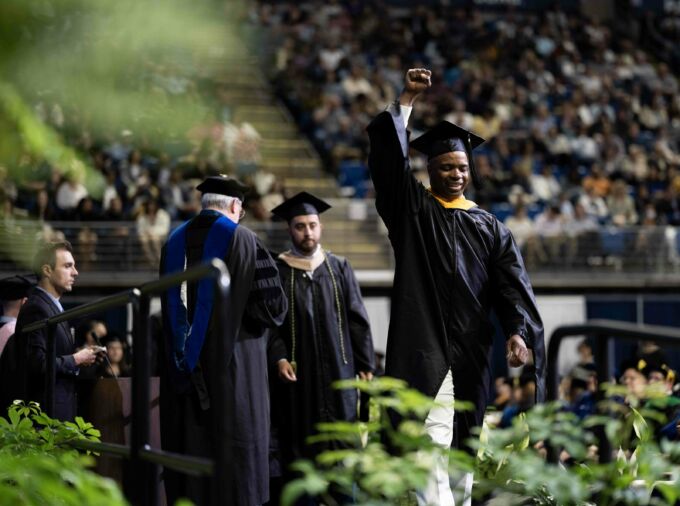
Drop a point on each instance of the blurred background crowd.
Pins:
(581, 117)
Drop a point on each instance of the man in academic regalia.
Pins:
(13, 293)
(326, 336)
(454, 264)
(192, 367)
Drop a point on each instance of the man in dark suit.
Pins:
(56, 271)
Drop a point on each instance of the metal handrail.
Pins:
(113, 449)
(144, 459)
(612, 328)
(188, 464)
(603, 331)
(111, 302)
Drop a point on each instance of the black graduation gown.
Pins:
(298, 407)
(258, 304)
(452, 267)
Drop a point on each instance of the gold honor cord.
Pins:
(291, 298)
(338, 308)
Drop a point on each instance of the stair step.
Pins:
(272, 115)
(292, 161)
(285, 143)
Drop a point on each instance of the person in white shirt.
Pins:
(153, 226)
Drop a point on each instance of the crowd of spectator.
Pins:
(144, 186)
(644, 383)
(582, 125)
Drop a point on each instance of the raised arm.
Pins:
(388, 158)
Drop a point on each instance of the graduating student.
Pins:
(192, 366)
(13, 293)
(326, 335)
(454, 264)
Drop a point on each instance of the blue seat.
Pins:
(613, 241)
(501, 210)
(354, 174)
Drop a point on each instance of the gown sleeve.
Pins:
(276, 347)
(396, 189)
(359, 326)
(515, 303)
(267, 303)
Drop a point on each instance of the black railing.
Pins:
(144, 460)
(603, 332)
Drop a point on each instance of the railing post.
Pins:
(603, 374)
(50, 369)
(220, 490)
(144, 474)
(553, 381)
(552, 378)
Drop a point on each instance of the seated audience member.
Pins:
(153, 225)
(69, 194)
(581, 236)
(585, 354)
(651, 353)
(116, 235)
(582, 390)
(117, 366)
(660, 399)
(524, 396)
(621, 205)
(550, 229)
(86, 242)
(91, 333)
(503, 393)
(634, 379)
(524, 231)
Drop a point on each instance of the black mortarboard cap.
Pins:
(639, 364)
(223, 185)
(301, 204)
(653, 365)
(446, 137)
(14, 288)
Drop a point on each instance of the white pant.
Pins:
(439, 426)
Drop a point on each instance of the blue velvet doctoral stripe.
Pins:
(187, 340)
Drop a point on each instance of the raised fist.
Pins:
(417, 81)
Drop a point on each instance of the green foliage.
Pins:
(364, 468)
(38, 467)
(510, 465)
(79, 72)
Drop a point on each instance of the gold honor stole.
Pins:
(457, 203)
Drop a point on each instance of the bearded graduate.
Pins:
(454, 263)
(325, 337)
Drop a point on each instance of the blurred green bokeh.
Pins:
(108, 65)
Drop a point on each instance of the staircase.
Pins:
(289, 155)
